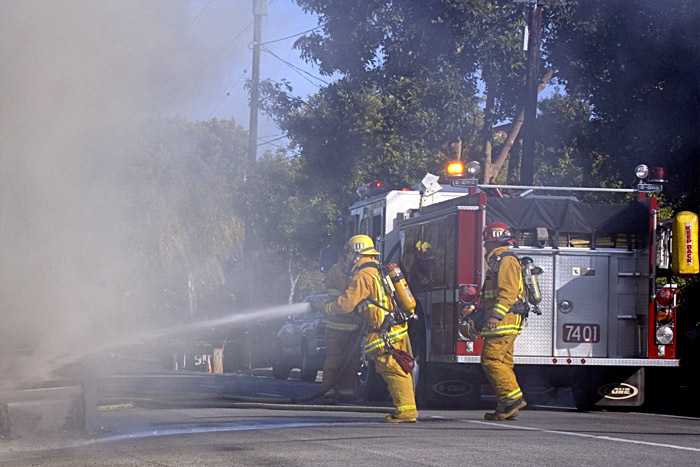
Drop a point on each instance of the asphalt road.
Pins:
(145, 433)
(254, 437)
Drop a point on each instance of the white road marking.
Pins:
(580, 435)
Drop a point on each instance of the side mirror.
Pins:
(328, 257)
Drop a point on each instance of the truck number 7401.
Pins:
(581, 332)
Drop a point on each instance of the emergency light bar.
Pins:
(371, 189)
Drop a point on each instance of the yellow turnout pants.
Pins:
(341, 345)
(399, 383)
(497, 362)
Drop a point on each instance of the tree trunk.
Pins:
(487, 129)
(455, 149)
(293, 279)
(191, 294)
(494, 168)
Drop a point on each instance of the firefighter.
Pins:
(503, 288)
(340, 338)
(364, 288)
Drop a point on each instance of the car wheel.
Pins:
(308, 373)
(280, 370)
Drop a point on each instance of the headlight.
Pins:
(473, 169)
(641, 171)
(664, 335)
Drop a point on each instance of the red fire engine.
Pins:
(608, 306)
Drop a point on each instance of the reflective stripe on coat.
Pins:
(366, 283)
(500, 292)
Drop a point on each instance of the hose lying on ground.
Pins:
(215, 402)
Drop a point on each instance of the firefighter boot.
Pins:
(507, 412)
(400, 419)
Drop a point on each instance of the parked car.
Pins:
(300, 343)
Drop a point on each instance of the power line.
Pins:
(232, 41)
(300, 71)
(228, 93)
(289, 37)
(198, 15)
(271, 140)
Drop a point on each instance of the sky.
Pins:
(226, 28)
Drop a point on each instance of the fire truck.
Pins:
(608, 303)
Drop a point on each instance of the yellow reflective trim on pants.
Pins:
(403, 408)
(502, 331)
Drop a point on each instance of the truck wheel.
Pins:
(540, 395)
(537, 389)
(308, 373)
(584, 396)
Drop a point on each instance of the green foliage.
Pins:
(409, 87)
(637, 64)
(185, 231)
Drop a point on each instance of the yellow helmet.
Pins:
(361, 245)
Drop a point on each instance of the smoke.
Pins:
(77, 78)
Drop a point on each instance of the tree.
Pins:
(409, 92)
(638, 64)
(185, 229)
(287, 227)
(430, 58)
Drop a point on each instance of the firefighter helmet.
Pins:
(361, 245)
(498, 232)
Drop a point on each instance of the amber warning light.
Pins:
(455, 169)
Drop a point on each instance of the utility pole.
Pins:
(527, 162)
(259, 10)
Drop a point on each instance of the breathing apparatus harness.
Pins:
(396, 288)
(472, 322)
(532, 296)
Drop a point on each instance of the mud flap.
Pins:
(618, 387)
(626, 393)
(445, 388)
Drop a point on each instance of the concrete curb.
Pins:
(37, 411)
